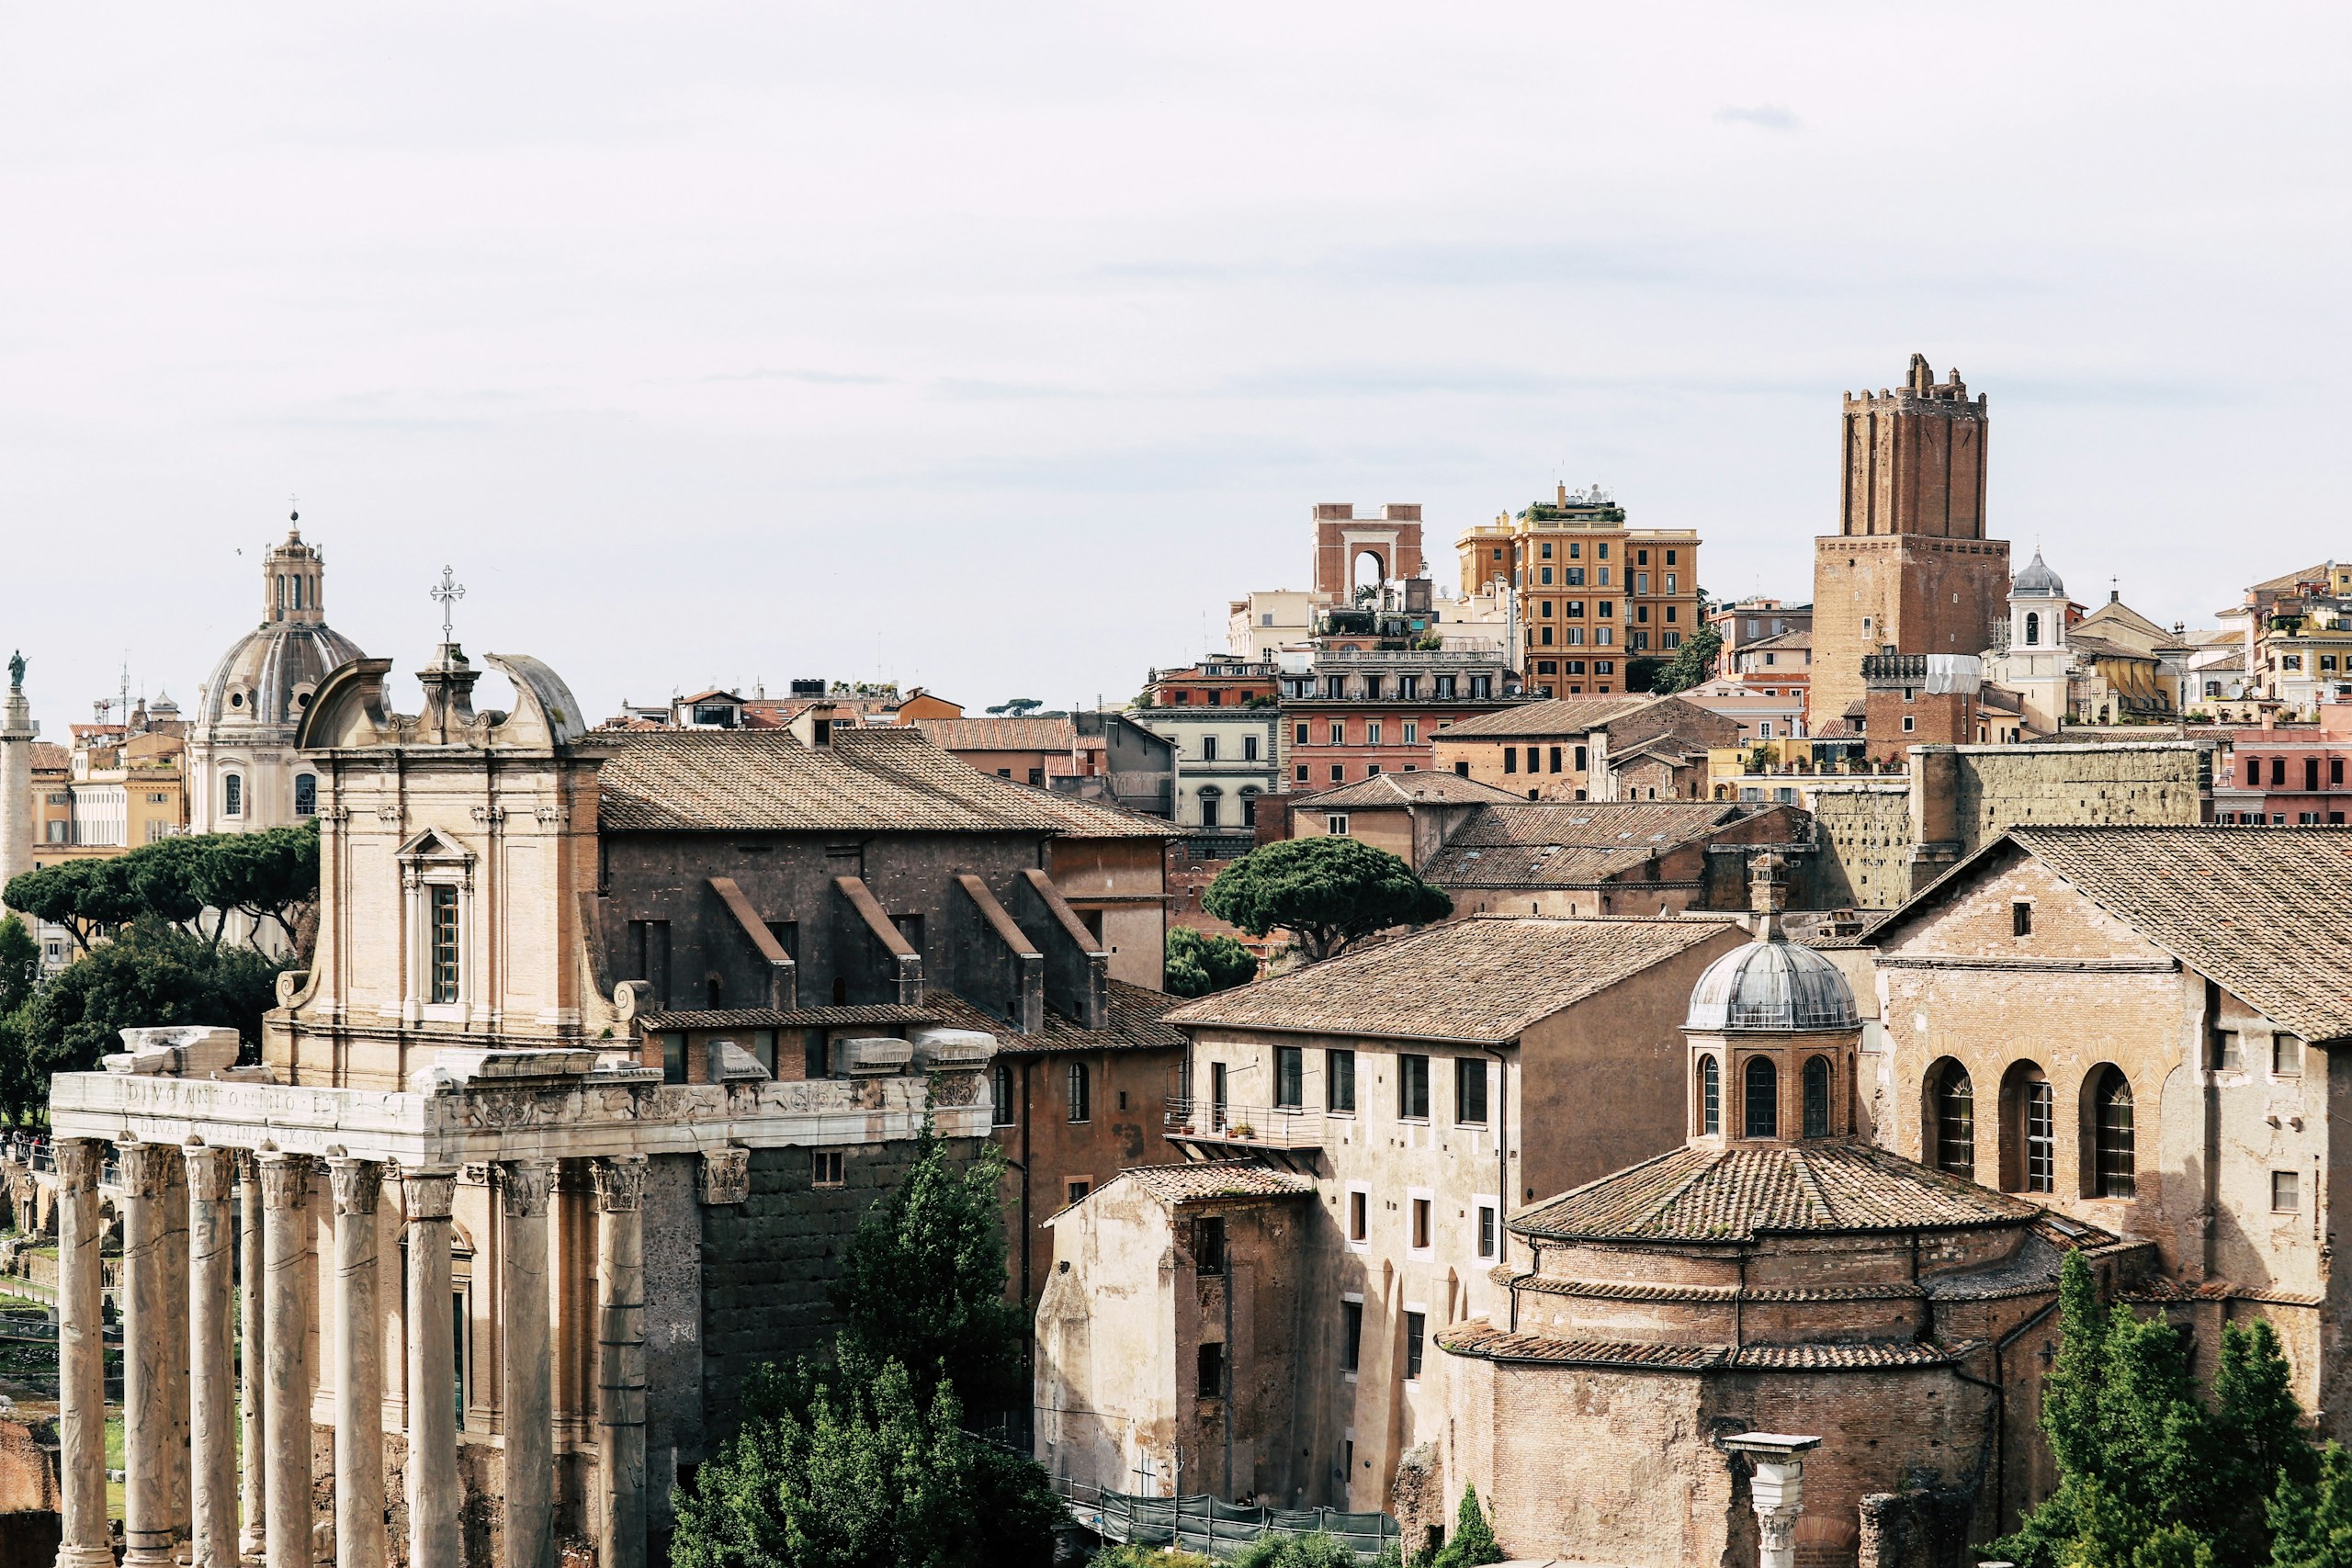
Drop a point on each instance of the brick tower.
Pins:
(1909, 570)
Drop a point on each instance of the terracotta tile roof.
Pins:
(1135, 1024)
(1575, 843)
(1645, 1291)
(2219, 899)
(1402, 789)
(1801, 638)
(1554, 716)
(1485, 1341)
(1486, 978)
(48, 757)
(887, 778)
(999, 734)
(796, 1018)
(1196, 1182)
(1735, 1193)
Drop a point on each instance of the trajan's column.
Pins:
(17, 731)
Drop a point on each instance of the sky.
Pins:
(997, 348)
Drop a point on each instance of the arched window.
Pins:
(2029, 1131)
(1081, 1093)
(2113, 1167)
(1952, 1108)
(306, 795)
(1816, 1098)
(2033, 628)
(232, 794)
(1763, 1097)
(1711, 1098)
(1000, 1096)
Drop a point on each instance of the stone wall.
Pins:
(1866, 843)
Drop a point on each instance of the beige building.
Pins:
(1420, 1090)
(1270, 618)
(1592, 592)
(1561, 750)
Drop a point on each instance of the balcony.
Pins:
(1238, 1128)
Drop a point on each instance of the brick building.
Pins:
(2286, 774)
(1560, 749)
(1212, 682)
(1910, 570)
(1357, 712)
(1390, 544)
(1026, 751)
(2198, 1111)
(1592, 592)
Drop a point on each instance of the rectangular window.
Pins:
(1208, 1244)
(1408, 687)
(1339, 774)
(2286, 1197)
(814, 1064)
(1208, 748)
(444, 943)
(1416, 1326)
(1339, 1081)
(1302, 735)
(1372, 732)
(1413, 1087)
(2228, 1052)
(1359, 1215)
(1248, 748)
(1510, 759)
(1290, 1077)
(1301, 771)
(1444, 688)
(673, 1058)
(1211, 1383)
(825, 1167)
(232, 795)
(1420, 1224)
(1554, 759)
(1336, 825)
(1074, 1191)
(787, 937)
(1000, 1094)
(306, 795)
(1470, 1090)
(1641, 582)
(2286, 1056)
(1351, 1336)
(1481, 688)
(1669, 584)
(1081, 1092)
(1547, 581)
(1216, 1097)
(1489, 1232)
(1413, 736)
(2020, 919)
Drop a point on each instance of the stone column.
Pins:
(359, 1367)
(212, 1337)
(620, 1361)
(528, 1392)
(285, 1400)
(433, 1490)
(81, 1359)
(173, 1256)
(1776, 1489)
(150, 1317)
(250, 1379)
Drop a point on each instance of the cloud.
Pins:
(813, 378)
(1763, 117)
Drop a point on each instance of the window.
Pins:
(1763, 1097)
(1816, 1098)
(1302, 773)
(1211, 1372)
(1339, 774)
(1554, 759)
(1710, 1107)
(1290, 1077)
(673, 1058)
(1210, 806)
(1351, 1336)
(1413, 733)
(1216, 1097)
(1302, 735)
(232, 794)
(1208, 1244)
(825, 1167)
(1669, 584)
(2113, 1170)
(1641, 582)
(444, 936)
(2311, 772)
(306, 795)
(1359, 1214)
(1000, 1095)
(1416, 1326)
(1470, 1090)
(2253, 773)
(1952, 1103)
(2334, 771)
(1460, 770)
(1074, 1190)
(1372, 732)
(1336, 825)
(813, 1064)
(2033, 628)
(1490, 1228)
(1510, 759)
(2286, 1057)
(1420, 1224)
(2284, 1197)
(1579, 756)
(1208, 748)
(2020, 918)
(1413, 1087)
(1481, 688)
(2041, 1138)
(1339, 1081)
(1909, 724)
(2228, 1052)
(1248, 748)
(2278, 773)
(1081, 1093)
(1547, 581)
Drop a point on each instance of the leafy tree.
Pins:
(1327, 892)
(1641, 673)
(2310, 1521)
(1472, 1544)
(2148, 1476)
(922, 1281)
(90, 898)
(858, 1469)
(1017, 707)
(1198, 965)
(267, 875)
(1314, 1549)
(19, 965)
(1694, 663)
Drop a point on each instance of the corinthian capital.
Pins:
(620, 1183)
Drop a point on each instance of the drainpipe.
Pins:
(2000, 1403)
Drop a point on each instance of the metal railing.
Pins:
(1266, 1126)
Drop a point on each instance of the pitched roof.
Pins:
(1532, 843)
(999, 734)
(1736, 1192)
(1195, 1182)
(1801, 637)
(1134, 1024)
(1401, 789)
(2216, 898)
(887, 778)
(1554, 716)
(1484, 1341)
(1486, 978)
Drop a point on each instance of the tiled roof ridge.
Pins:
(1480, 1339)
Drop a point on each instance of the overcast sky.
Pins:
(997, 346)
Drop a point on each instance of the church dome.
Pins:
(267, 676)
(2038, 578)
(1772, 985)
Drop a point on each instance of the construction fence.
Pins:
(1216, 1527)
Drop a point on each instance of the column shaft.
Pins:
(620, 1361)
(211, 1328)
(251, 1380)
(360, 1539)
(81, 1360)
(527, 1395)
(149, 1319)
(286, 1416)
(174, 1386)
(433, 1490)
